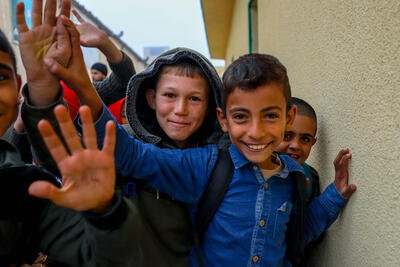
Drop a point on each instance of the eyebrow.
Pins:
(263, 110)
(6, 67)
(239, 109)
(307, 134)
(271, 108)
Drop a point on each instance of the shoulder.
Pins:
(314, 172)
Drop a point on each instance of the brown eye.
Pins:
(239, 116)
(169, 95)
(287, 136)
(271, 116)
(194, 98)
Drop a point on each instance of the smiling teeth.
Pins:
(256, 147)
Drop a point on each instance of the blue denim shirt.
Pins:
(250, 226)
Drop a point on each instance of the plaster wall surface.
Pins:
(238, 42)
(343, 57)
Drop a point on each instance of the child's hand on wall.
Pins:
(45, 38)
(88, 174)
(342, 175)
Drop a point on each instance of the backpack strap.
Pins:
(295, 246)
(216, 188)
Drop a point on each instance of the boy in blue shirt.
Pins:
(253, 222)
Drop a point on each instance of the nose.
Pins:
(181, 107)
(256, 130)
(294, 143)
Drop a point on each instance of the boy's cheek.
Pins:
(282, 147)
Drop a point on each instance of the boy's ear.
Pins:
(19, 82)
(222, 120)
(315, 140)
(150, 97)
(291, 115)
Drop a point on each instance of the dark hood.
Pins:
(142, 118)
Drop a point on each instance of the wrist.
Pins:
(111, 52)
(43, 92)
(103, 208)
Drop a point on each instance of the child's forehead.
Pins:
(270, 94)
(195, 82)
(304, 124)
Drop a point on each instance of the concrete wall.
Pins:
(344, 58)
(238, 43)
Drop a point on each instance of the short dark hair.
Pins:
(251, 71)
(304, 109)
(5, 46)
(182, 67)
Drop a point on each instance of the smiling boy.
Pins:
(300, 138)
(260, 209)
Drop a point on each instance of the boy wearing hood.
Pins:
(172, 105)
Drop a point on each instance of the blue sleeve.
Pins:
(322, 212)
(182, 174)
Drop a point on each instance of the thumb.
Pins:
(56, 69)
(43, 189)
(350, 189)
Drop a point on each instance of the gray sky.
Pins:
(153, 22)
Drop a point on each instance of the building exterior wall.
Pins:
(343, 57)
(238, 42)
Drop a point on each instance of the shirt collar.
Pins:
(290, 165)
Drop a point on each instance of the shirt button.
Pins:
(255, 168)
(262, 223)
(255, 258)
(266, 185)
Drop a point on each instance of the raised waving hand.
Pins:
(46, 38)
(88, 174)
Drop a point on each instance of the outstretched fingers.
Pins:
(342, 175)
(52, 141)
(75, 37)
(76, 14)
(36, 16)
(339, 156)
(89, 133)
(68, 130)
(50, 12)
(43, 189)
(65, 8)
(109, 139)
(20, 18)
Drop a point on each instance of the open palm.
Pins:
(88, 174)
(47, 37)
